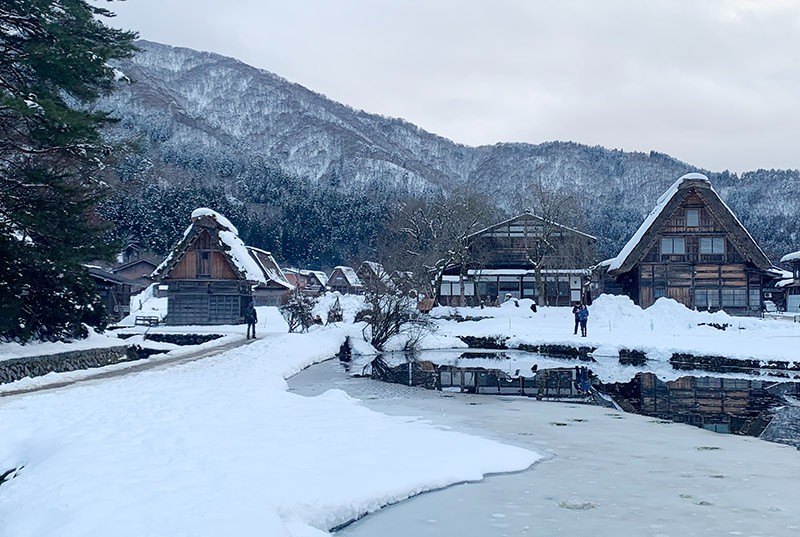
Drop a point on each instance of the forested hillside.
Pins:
(319, 183)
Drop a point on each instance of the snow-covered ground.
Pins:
(219, 447)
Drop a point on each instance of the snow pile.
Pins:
(145, 303)
(219, 447)
(351, 305)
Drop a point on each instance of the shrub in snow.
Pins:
(298, 310)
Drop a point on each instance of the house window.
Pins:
(204, 264)
(706, 298)
(735, 298)
(712, 245)
(673, 246)
(755, 298)
(692, 217)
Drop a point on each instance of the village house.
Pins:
(138, 270)
(345, 280)
(211, 275)
(693, 249)
(309, 282)
(115, 292)
(277, 287)
(524, 257)
(791, 285)
(371, 273)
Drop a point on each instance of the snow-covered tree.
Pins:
(54, 58)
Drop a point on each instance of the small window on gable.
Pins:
(692, 218)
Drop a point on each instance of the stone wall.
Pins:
(36, 366)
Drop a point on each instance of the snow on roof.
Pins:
(241, 258)
(349, 274)
(794, 256)
(616, 262)
(269, 267)
(229, 240)
(527, 213)
(784, 283)
(221, 220)
(321, 276)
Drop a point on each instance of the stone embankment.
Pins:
(36, 366)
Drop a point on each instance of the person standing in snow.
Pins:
(583, 317)
(576, 309)
(251, 318)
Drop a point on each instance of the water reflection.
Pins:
(724, 405)
(765, 408)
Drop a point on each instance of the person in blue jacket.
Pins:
(583, 318)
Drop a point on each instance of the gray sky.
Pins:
(713, 82)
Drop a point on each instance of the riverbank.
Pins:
(606, 472)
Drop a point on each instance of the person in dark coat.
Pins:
(583, 317)
(251, 318)
(576, 309)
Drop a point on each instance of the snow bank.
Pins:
(95, 340)
(218, 447)
(351, 305)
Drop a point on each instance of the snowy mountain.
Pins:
(206, 119)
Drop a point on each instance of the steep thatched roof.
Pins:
(648, 233)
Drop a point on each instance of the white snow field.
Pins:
(219, 447)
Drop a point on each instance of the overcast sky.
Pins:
(715, 83)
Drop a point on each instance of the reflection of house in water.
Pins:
(723, 405)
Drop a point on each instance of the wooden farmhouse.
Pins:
(277, 286)
(371, 274)
(791, 285)
(526, 257)
(693, 249)
(309, 282)
(345, 280)
(138, 270)
(212, 276)
(115, 291)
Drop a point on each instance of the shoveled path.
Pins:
(608, 474)
(140, 365)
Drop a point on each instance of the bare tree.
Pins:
(552, 240)
(438, 235)
(390, 311)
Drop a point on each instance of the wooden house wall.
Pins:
(187, 267)
(503, 249)
(210, 302)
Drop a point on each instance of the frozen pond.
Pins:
(607, 473)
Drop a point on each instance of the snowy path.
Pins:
(609, 474)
